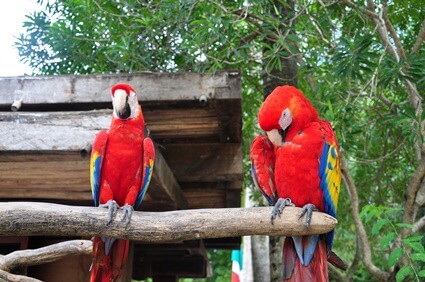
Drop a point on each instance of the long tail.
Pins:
(108, 261)
(305, 259)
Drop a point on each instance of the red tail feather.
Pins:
(106, 268)
(316, 271)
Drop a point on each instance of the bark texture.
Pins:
(35, 219)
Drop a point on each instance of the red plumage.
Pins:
(127, 88)
(121, 167)
(125, 141)
(301, 156)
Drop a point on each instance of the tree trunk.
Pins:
(260, 262)
(276, 247)
(271, 79)
(288, 72)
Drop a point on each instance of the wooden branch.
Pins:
(419, 225)
(399, 47)
(34, 219)
(360, 230)
(9, 277)
(420, 39)
(45, 254)
(411, 191)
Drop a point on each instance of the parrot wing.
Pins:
(96, 160)
(330, 174)
(148, 162)
(262, 167)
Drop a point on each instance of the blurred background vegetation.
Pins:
(335, 51)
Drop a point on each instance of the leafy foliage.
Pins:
(385, 228)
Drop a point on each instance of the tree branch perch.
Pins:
(45, 254)
(6, 276)
(35, 219)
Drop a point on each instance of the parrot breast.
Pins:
(297, 167)
(122, 166)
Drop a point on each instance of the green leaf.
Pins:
(387, 239)
(378, 225)
(407, 225)
(416, 246)
(403, 273)
(413, 239)
(421, 273)
(394, 256)
(365, 210)
(418, 257)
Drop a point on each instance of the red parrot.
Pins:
(121, 167)
(298, 164)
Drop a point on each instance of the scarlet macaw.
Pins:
(120, 171)
(298, 163)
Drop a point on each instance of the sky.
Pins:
(11, 18)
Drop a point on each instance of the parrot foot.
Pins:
(307, 209)
(279, 206)
(128, 211)
(112, 207)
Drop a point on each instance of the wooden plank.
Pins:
(230, 120)
(229, 112)
(96, 88)
(74, 130)
(169, 188)
(205, 162)
(32, 176)
(188, 162)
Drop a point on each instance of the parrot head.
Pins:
(285, 109)
(124, 100)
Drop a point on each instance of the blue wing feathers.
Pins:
(323, 160)
(144, 188)
(148, 163)
(96, 160)
(324, 185)
(96, 178)
(329, 183)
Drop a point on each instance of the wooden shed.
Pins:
(195, 121)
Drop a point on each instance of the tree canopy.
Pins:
(359, 62)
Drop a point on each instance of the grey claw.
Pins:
(307, 209)
(128, 211)
(279, 207)
(112, 207)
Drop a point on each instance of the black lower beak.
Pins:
(283, 133)
(126, 112)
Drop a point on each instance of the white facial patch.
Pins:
(119, 100)
(285, 119)
(134, 104)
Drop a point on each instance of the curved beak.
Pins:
(275, 137)
(121, 107)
